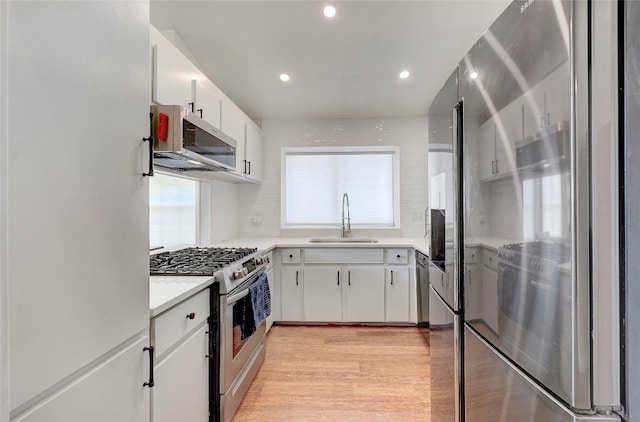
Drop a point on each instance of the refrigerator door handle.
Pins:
(458, 234)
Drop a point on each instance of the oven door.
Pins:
(533, 322)
(236, 350)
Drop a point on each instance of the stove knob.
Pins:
(238, 274)
(245, 271)
(266, 259)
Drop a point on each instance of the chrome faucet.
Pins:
(346, 230)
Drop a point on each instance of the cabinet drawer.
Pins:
(172, 325)
(470, 255)
(490, 259)
(397, 256)
(291, 256)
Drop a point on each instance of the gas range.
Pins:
(229, 266)
(537, 256)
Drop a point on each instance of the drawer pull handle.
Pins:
(191, 315)
(392, 278)
(296, 278)
(338, 278)
(149, 384)
(349, 276)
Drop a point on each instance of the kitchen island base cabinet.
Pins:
(182, 382)
(112, 391)
(322, 297)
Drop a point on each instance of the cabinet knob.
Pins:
(191, 315)
(291, 256)
(398, 256)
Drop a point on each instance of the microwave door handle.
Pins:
(150, 140)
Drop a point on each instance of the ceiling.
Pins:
(344, 67)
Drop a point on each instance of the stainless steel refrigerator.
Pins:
(534, 265)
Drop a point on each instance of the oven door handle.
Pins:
(236, 297)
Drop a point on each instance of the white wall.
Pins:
(410, 134)
(221, 199)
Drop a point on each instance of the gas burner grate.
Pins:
(196, 261)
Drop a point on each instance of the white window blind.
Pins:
(172, 211)
(314, 182)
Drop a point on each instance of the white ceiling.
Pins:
(345, 67)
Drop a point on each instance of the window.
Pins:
(173, 205)
(542, 210)
(315, 179)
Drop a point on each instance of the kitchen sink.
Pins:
(343, 240)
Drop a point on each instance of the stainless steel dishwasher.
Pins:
(422, 277)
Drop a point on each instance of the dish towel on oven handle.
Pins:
(260, 299)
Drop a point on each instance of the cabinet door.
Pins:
(113, 391)
(291, 293)
(89, 292)
(181, 391)
(253, 152)
(508, 132)
(322, 297)
(472, 292)
(363, 294)
(558, 95)
(172, 72)
(208, 100)
(397, 295)
(489, 297)
(232, 123)
(487, 149)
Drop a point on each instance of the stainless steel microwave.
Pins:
(547, 149)
(183, 141)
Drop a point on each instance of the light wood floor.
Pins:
(329, 373)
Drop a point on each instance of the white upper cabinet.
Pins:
(177, 81)
(487, 149)
(232, 124)
(253, 152)
(207, 101)
(172, 72)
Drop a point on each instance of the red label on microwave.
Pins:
(163, 127)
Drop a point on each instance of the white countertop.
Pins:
(167, 291)
(268, 243)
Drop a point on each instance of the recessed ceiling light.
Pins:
(474, 75)
(329, 11)
(404, 74)
(284, 77)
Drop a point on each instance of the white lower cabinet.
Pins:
(397, 295)
(112, 391)
(363, 292)
(346, 285)
(322, 297)
(181, 370)
(182, 382)
(291, 293)
(490, 298)
(344, 294)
